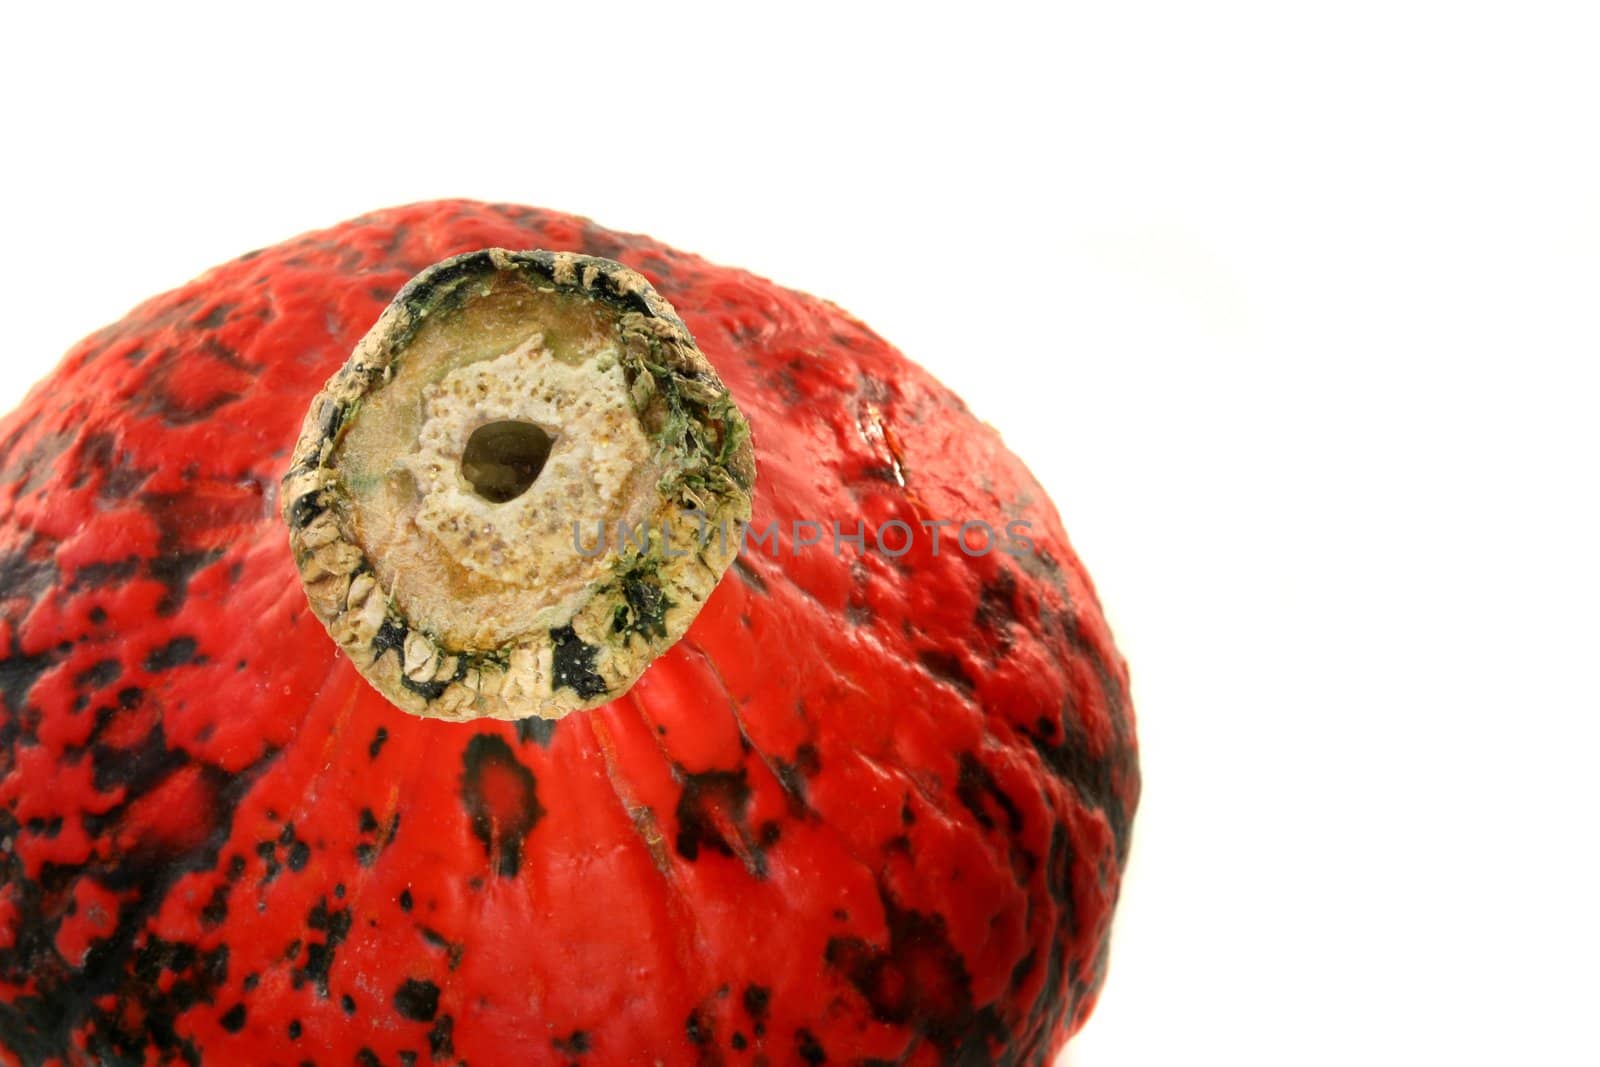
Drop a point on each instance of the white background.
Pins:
(1301, 337)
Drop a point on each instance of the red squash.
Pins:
(873, 807)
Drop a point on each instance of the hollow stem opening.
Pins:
(503, 459)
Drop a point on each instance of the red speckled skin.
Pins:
(867, 811)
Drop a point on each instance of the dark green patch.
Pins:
(644, 608)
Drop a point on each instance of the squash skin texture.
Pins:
(868, 810)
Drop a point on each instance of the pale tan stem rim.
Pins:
(648, 593)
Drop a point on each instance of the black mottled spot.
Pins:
(407, 1058)
(440, 1038)
(348, 1003)
(1024, 969)
(1095, 777)
(166, 978)
(757, 1001)
(698, 1027)
(1058, 875)
(536, 729)
(299, 856)
(807, 759)
(335, 927)
(368, 1058)
(738, 1042)
(25, 577)
(996, 609)
(501, 799)
(572, 664)
(974, 783)
(921, 979)
(377, 743)
(18, 673)
(453, 952)
(175, 653)
(101, 574)
(792, 775)
(405, 900)
(712, 813)
(140, 766)
(174, 570)
(35, 467)
(215, 317)
(946, 667)
(233, 1020)
(216, 909)
(417, 1000)
(808, 1048)
(576, 1043)
(295, 1030)
(99, 675)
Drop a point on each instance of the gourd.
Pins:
(797, 795)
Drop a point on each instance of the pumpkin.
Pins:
(853, 785)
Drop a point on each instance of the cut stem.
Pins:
(519, 490)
